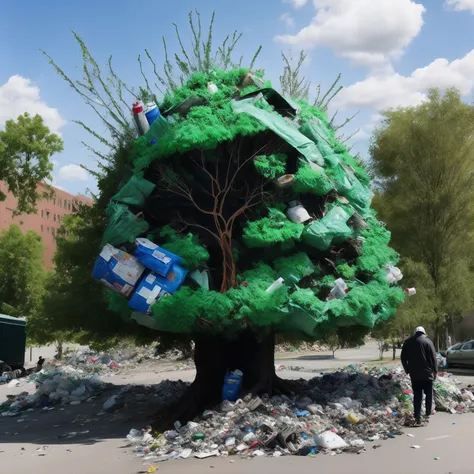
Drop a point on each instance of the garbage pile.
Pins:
(54, 386)
(115, 360)
(345, 411)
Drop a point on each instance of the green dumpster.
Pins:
(12, 341)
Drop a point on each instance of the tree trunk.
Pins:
(214, 357)
(59, 350)
(394, 350)
(229, 275)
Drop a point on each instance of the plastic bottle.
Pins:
(275, 285)
(152, 112)
(140, 118)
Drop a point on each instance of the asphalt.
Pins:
(38, 441)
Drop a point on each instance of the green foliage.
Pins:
(308, 180)
(274, 229)
(26, 147)
(186, 246)
(21, 272)
(272, 166)
(422, 159)
(298, 266)
(374, 248)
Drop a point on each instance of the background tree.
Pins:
(21, 272)
(422, 158)
(26, 147)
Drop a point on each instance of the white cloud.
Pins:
(72, 173)
(366, 31)
(19, 95)
(392, 89)
(460, 5)
(287, 19)
(296, 3)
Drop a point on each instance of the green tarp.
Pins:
(283, 128)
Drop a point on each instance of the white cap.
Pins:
(420, 329)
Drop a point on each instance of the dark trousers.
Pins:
(420, 386)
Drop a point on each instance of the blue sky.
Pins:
(389, 53)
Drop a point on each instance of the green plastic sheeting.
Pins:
(331, 228)
(347, 184)
(135, 191)
(284, 129)
(123, 226)
(281, 104)
(316, 131)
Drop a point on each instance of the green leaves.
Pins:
(21, 272)
(26, 146)
(422, 158)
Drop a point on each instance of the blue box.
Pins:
(117, 270)
(155, 258)
(147, 293)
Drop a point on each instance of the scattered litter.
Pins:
(416, 446)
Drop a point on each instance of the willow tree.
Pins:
(212, 182)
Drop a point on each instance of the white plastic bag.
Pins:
(330, 440)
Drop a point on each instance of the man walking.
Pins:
(419, 361)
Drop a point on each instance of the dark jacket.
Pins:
(419, 358)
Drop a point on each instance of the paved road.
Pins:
(36, 442)
(97, 454)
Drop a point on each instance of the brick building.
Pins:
(48, 218)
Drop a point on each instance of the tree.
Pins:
(26, 146)
(21, 272)
(216, 202)
(422, 160)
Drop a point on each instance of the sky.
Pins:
(388, 52)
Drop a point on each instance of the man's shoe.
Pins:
(418, 424)
(427, 420)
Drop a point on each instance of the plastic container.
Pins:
(155, 258)
(152, 112)
(339, 290)
(147, 293)
(232, 384)
(139, 116)
(297, 213)
(285, 181)
(117, 270)
(410, 291)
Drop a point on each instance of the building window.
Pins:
(69, 205)
(53, 231)
(54, 217)
(54, 201)
(59, 218)
(42, 229)
(47, 230)
(42, 213)
(60, 202)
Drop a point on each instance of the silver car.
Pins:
(461, 354)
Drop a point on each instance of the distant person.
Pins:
(419, 361)
(39, 364)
